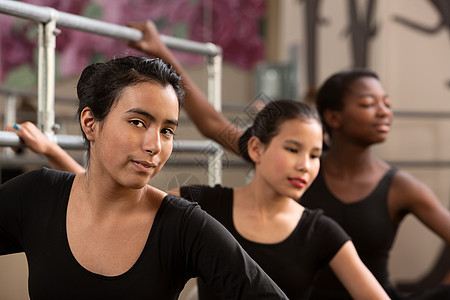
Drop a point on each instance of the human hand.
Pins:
(150, 42)
(35, 139)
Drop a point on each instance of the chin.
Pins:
(136, 186)
(380, 140)
(299, 195)
(296, 195)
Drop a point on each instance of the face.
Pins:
(290, 162)
(366, 114)
(135, 140)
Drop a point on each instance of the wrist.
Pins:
(52, 150)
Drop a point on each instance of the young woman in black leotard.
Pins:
(105, 233)
(365, 195)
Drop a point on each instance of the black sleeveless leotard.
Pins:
(366, 221)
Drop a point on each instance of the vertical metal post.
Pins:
(10, 118)
(46, 75)
(214, 68)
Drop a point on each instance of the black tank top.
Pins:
(366, 221)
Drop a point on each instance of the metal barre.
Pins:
(75, 142)
(44, 15)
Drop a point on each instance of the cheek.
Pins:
(280, 162)
(315, 166)
(356, 123)
(166, 148)
(359, 118)
(390, 115)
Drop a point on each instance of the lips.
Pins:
(297, 182)
(383, 127)
(144, 165)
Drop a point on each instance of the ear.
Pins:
(332, 118)
(255, 149)
(88, 123)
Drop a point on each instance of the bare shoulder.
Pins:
(410, 195)
(407, 183)
(154, 197)
(407, 191)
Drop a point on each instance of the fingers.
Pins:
(31, 136)
(142, 25)
(137, 25)
(9, 128)
(15, 129)
(22, 128)
(150, 36)
(18, 129)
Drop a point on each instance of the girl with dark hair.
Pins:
(366, 196)
(291, 243)
(105, 233)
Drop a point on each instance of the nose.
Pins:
(383, 109)
(304, 163)
(152, 142)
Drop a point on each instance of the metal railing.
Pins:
(48, 19)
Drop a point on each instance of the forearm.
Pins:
(39, 143)
(366, 287)
(61, 160)
(354, 275)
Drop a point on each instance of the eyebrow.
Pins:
(298, 144)
(150, 116)
(362, 95)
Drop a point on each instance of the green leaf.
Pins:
(23, 77)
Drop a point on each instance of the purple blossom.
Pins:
(232, 24)
(236, 31)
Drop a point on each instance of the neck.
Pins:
(348, 158)
(262, 199)
(103, 197)
(349, 151)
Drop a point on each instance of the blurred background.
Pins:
(271, 49)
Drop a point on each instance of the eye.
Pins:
(168, 132)
(367, 104)
(292, 150)
(137, 123)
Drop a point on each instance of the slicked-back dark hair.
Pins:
(269, 120)
(101, 84)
